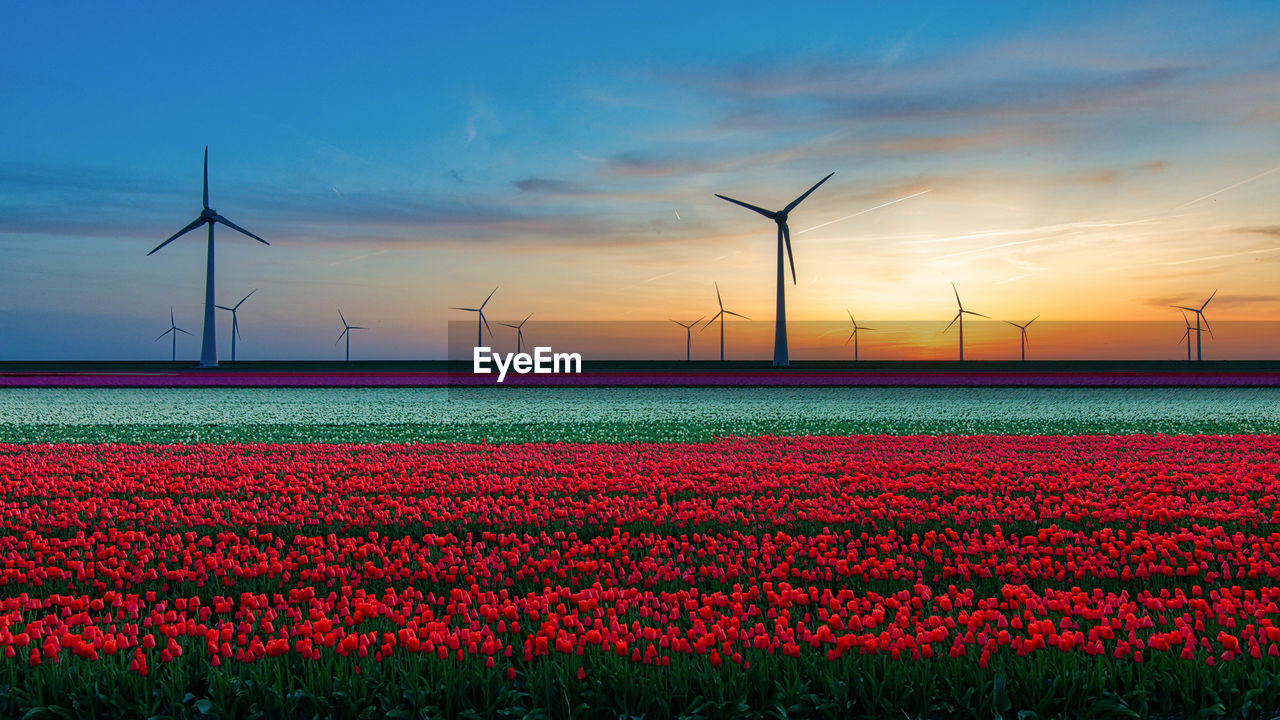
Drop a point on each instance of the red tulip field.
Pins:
(884, 576)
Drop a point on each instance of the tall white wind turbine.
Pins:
(721, 315)
(1199, 316)
(519, 331)
(688, 337)
(780, 357)
(854, 335)
(960, 313)
(174, 330)
(235, 321)
(1023, 328)
(481, 322)
(346, 332)
(210, 217)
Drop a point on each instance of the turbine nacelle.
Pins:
(208, 214)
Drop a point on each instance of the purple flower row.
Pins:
(755, 378)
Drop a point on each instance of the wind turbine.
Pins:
(854, 335)
(235, 321)
(688, 337)
(780, 358)
(721, 315)
(1023, 328)
(519, 331)
(174, 329)
(208, 344)
(1199, 316)
(960, 313)
(1186, 335)
(481, 322)
(346, 331)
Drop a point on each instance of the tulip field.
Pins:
(1030, 554)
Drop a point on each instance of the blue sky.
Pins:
(1086, 161)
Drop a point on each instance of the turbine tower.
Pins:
(1023, 328)
(1200, 316)
(235, 321)
(519, 331)
(481, 322)
(721, 315)
(1186, 335)
(688, 337)
(854, 335)
(780, 358)
(960, 313)
(174, 329)
(346, 332)
(208, 343)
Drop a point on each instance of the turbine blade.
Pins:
(850, 338)
(1206, 302)
(526, 319)
(192, 226)
(171, 321)
(246, 297)
(730, 312)
(485, 320)
(206, 177)
(718, 300)
(767, 213)
(466, 309)
(235, 327)
(970, 312)
(516, 327)
(850, 314)
(798, 200)
(1012, 323)
(1184, 307)
(182, 331)
(1024, 327)
(1206, 324)
(344, 320)
(357, 327)
(713, 319)
(786, 234)
(166, 332)
(866, 328)
(224, 307)
(237, 228)
(486, 300)
(957, 292)
(953, 322)
(340, 336)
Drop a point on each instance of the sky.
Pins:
(1089, 163)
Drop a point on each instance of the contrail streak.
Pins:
(1219, 257)
(863, 212)
(1229, 187)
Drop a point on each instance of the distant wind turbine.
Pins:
(209, 343)
(519, 331)
(688, 337)
(1199, 316)
(346, 332)
(780, 358)
(854, 335)
(235, 321)
(1186, 335)
(1023, 328)
(174, 330)
(721, 315)
(960, 313)
(481, 322)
